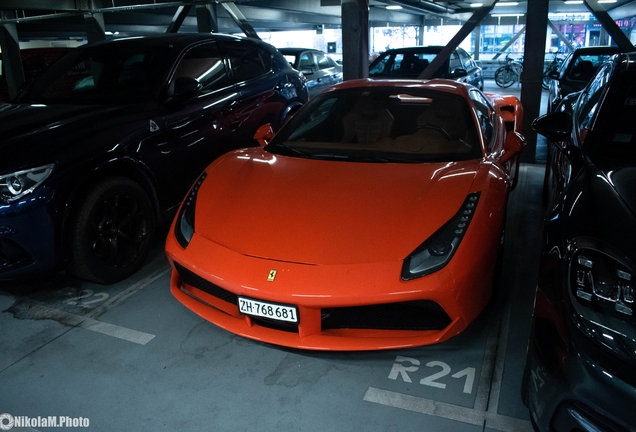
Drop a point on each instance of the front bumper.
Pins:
(340, 307)
(27, 236)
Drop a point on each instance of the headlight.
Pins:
(184, 225)
(437, 251)
(18, 184)
(602, 293)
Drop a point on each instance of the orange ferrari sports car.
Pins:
(372, 220)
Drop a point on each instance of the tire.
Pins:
(112, 231)
(505, 77)
(545, 84)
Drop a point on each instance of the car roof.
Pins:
(178, 40)
(294, 49)
(596, 50)
(423, 49)
(438, 84)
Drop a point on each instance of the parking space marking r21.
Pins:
(405, 365)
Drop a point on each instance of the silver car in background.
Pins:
(320, 70)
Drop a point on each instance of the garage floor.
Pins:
(130, 357)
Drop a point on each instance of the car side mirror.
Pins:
(184, 88)
(515, 142)
(556, 126)
(459, 73)
(555, 75)
(307, 72)
(264, 134)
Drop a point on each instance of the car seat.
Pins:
(367, 122)
(583, 71)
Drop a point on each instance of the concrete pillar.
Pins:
(355, 39)
(533, 58)
(206, 18)
(11, 58)
(95, 28)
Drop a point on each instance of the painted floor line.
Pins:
(91, 324)
(447, 411)
(488, 366)
(128, 292)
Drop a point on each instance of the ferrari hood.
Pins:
(327, 212)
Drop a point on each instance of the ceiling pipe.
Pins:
(425, 6)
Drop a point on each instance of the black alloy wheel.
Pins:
(112, 233)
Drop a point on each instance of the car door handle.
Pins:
(282, 86)
(230, 106)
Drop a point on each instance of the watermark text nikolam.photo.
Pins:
(8, 421)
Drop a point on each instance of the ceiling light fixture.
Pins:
(394, 7)
(571, 2)
(607, 1)
(507, 4)
(476, 5)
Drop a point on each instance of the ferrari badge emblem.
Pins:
(271, 276)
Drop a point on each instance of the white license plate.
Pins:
(268, 310)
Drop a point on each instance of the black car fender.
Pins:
(78, 185)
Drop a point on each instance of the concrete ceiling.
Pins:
(64, 19)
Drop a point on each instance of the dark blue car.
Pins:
(105, 144)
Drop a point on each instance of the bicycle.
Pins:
(554, 65)
(509, 73)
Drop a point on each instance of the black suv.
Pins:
(581, 367)
(105, 144)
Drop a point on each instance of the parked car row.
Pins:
(104, 144)
(369, 217)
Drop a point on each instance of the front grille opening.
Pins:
(415, 315)
(206, 286)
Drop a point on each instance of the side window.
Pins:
(323, 62)
(380, 67)
(589, 101)
(397, 62)
(306, 61)
(267, 59)
(455, 62)
(465, 59)
(485, 113)
(245, 61)
(204, 63)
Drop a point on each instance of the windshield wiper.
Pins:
(291, 150)
(358, 158)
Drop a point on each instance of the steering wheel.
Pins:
(435, 128)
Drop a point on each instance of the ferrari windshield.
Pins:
(100, 75)
(389, 124)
